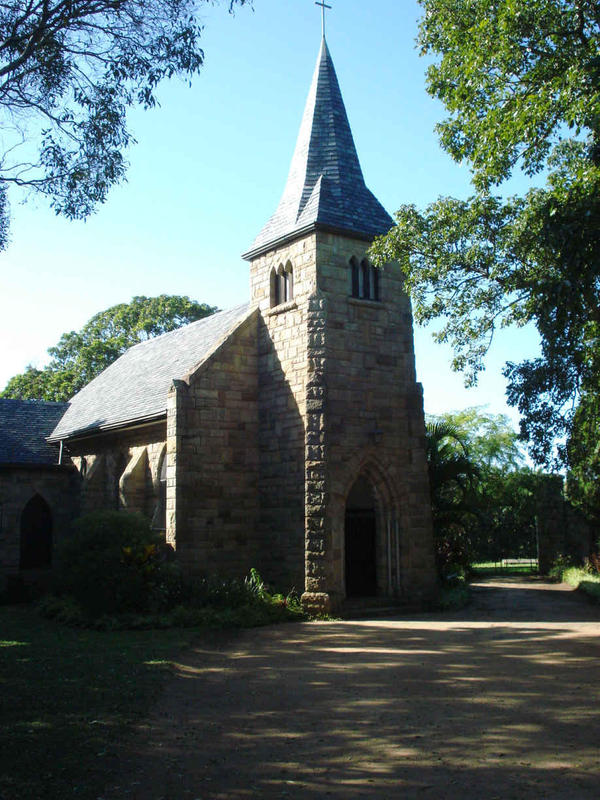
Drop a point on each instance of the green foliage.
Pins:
(116, 573)
(492, 515)
(505, 524)
(68, 75)
(515, 78)
(505, 567)
(255, 585)
(559, 567)
(452, 479)
(586, 579)
(454, 595)
(81, 355)
(114, 562)
(490, 438)
(583, 478)
(188, 615)
(512, 76)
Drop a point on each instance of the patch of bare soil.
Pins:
(500, 701)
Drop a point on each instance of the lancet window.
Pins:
(364, 280)
(282, 284)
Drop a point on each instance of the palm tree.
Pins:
(452, 481)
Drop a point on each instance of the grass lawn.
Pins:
(66, 698)
(506, 567)
(583, 580)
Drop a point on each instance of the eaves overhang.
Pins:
(109, 427)
(316, 227)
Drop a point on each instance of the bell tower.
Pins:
(339, 405)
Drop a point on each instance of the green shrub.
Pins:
(586, 579)
(113, 562)
(234, 593)
(559, 566)
(220, 593)
(454, 594)
(575, 576)
(63, 609)
(115, 573)
(591, 587)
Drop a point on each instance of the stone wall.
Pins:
(283, 368)
(59, 488)
(212, 459)
(561, 529)
(121, 470)
(375, 424)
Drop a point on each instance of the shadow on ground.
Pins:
(431, 707)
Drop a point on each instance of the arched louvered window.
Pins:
(364, 280)
(273, 287)
(289, 282)
(375, 283)
(282, 285)
(281, 282)
(162, 494)
(354, 278)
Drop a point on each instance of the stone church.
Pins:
(288, 433)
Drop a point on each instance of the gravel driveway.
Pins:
(499, 701)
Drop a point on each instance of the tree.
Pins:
(491, 441)
(452, 479)
(505, 524)
(583, 479)
(498, 504)
(520, 82)
(81, 355)
(69, 70)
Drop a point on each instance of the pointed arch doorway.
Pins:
(36, 534)
(360, 536)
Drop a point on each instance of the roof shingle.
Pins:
(325, 185)
(24, 426)
(135, 386)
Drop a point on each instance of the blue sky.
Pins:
(208, 170)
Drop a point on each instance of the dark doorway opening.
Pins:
(360, 541)
(36, 534)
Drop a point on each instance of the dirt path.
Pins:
(501, 701)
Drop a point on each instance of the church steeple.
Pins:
(325, 188)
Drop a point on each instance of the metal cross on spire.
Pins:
(323, 7)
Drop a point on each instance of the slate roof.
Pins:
(134, 388)
(24, 426)
(325, 186)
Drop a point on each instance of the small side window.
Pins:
(375, 282)
(354, 279)
(289, 282)
(162, 494)
(273, 288)
(364, 280)
(282, 285)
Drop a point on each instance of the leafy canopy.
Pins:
(453, 476)
(583, 480)
(490, 439)
(521, 83)
(81, 355)
(490, 513)
(69, 70)
(514, 76)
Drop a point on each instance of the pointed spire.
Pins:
(325, 188)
